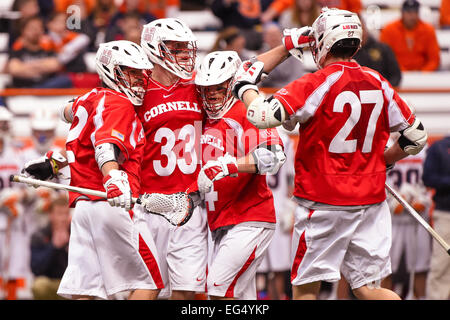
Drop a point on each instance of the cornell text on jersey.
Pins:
(171, 106)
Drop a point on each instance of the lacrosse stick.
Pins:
(417, 216)
(177, 208)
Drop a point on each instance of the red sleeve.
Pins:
(115, 122)
(294, 95)
(399, 112)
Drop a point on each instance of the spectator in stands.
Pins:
(69, 45)
(97, 23)
(244, 14)
(413, 41)
(26, 9)
(378, 56)
(436, 175)
(135, 7)
(289, 69)
(49, 251)
(31, 61)
(277, 7)
(444, 14)
(302, 13)
(128, 27)
(162, 8)
(232, 39)
(86, 6)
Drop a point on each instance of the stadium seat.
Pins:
(4, 39)
(205, 39)
(200, 20)
(398, 3)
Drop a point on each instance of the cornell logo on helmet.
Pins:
(149, 34)
(105, 58)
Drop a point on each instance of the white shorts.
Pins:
(412, 239)
(236, 256)
(355, 243)
(278, 255)
(183, 252)
(109, 253)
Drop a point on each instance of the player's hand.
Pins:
(297, 39)
(43, 168)
(246, 77)
(269, 161)
(9, 200)
(215, 170)
(118, 189)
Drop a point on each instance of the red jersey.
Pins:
(346, 113)
(246, 197)
(172, 119)
(103, 116)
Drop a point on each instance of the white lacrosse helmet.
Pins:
(43, 126)
(180, 61)
(217, 67)
(110, 59)
(331, 26)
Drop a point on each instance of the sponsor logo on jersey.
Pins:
(169, 107)
(283, 91)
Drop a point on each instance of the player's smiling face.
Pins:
(183, 53)
(215, 94)
(134, 79)
(215, 97)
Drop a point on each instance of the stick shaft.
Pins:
(60, 186)
(417, 216)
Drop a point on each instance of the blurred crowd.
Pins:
(47, 43)
(48, 39)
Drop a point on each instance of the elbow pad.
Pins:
(62, 113)
(413, 139)
(106, 152)
(265, 114)
(269, 159)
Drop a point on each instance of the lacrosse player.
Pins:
(111, 250)
(408, 237)
(241, 214)
(14, 243)
(346, 112)
(172, 118)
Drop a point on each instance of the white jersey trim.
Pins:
(396, 118)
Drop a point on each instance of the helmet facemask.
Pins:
(179, 57)
(133, 82)
(216, 98)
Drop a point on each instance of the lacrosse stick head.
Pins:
(177, 208)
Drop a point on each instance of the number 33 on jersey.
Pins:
(172, 120)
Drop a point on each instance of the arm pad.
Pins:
(62, 113)
(106, 152)
(413, 139)
(265, 114)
